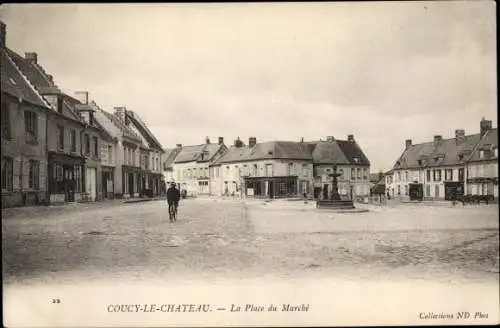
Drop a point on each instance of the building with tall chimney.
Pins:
(191, 166)
(482, 164)
(24, 135)
(74, 164)
(441, 169)
(282, 169)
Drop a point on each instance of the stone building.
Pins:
(24, 135)
(482, 164)
(74, 147)
(438, 170)
(191, 166)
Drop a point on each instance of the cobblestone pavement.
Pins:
(223, 238)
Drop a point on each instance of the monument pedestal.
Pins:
(335, 201)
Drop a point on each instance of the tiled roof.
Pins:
(487, 143)
(170, 155)
(267, 150)
(437, 153)
(127, 132)
(14, 83)
(34, 72)
(193, 153)
(329, 152)
(143, 128)
(353, 152)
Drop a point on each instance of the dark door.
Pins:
(416, 191)
(325, 191)
(131, 184)
(317, 192)
(271, 189)
(68, 182)
(104, 183)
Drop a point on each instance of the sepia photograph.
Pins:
(249, 164)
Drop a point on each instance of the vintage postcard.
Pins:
(249, 164)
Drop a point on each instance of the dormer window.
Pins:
(481, 154)
(356, 160)
(420, 162)
(461, 156)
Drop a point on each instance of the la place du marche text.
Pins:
(272, 307)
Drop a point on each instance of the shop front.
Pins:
(271, 187)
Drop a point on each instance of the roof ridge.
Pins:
(28, 82)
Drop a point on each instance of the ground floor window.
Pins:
(436, 191)
(7, 173)
(78, 177)
(428, 191)
(57, 180)
(34, 174)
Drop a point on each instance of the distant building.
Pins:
(438, 170)
(169, 156)
(191, 166)
(280, 169)
(482, 165)
(264, 170)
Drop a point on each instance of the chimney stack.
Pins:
(459, 134)
(252, 141)
(350, 137)
(120, 113)
(82, 96)
(179, 145)
(485, 125)
(238, 143)
(438, 137)
(330, 138)
(207, 140)
(407, 143)
(3, 34)
(301, 139)
(31, 57)
(221, 140)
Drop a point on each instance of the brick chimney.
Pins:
(82, 96)
(221, 141)
(238, 143)
(120, 113)
(350, 137)
(252, 141)
(3, 34)
(207, 140)
(459, 135)
(31, 57)
(407, 143)
(485, 125)
(438, 137)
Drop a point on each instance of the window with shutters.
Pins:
(95, 143)
(73, 140)
(60, 137)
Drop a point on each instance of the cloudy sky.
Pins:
(384, 72)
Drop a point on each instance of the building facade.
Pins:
(74, 147)
(281, 169)
(24, 136)
(441, 169)
(192, 163)
(482, 165)
(352, 165)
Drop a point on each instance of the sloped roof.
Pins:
(34, 72)
(437, 153)
(267, 150)
(143, 128)
(170, 155)
(352, 151)
(329, 152)
(127, 132)
(487, 143)
(193, 153)
(14, 83)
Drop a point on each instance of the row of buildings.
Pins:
(443, 168)
(273, 169)
(61, 148)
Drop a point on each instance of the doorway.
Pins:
(131, 184)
